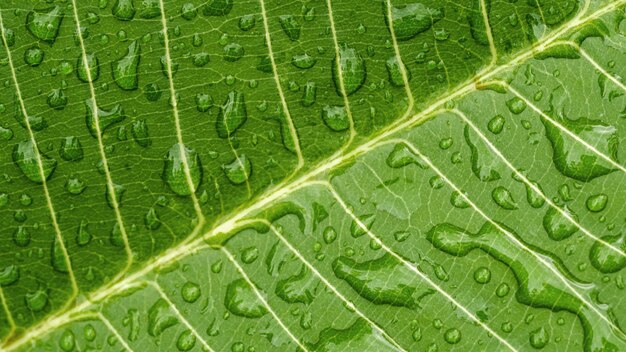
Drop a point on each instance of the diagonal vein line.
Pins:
(44, 183)
(174, 100)
(232, 259)
(284, 188)
(510, 236)
(602, 71)
(566, 131)
(157, 287)
(10, 320)
(535, 188)
(327, 283)
(105, 164)
(111, 328)
(292, 128)
(342, 86)
(396, 48)
(414, 269)
(492, 44)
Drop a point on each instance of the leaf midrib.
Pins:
(230, 223)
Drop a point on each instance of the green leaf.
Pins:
(259, 175)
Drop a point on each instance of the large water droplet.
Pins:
(411, 19)
(606, 259)
(239, 170)
(557, 225)
(160, 317)
(352, 68)
(242, 301)
(126, 70)
(44, 24)
(71, 149)
(106, 118)
(290, 26)
(335, 117)
(174, 171)
(25, 157)
(123, 10)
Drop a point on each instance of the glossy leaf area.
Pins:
(265, 175)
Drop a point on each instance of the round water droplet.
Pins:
(452, 336)
(233, 52)
(190, 292)
(557, 225)
(67, 342)
(482, 275)
(329, 235)
(186, 341)
(33, 56)
(539, 338)
(597, 203)
(496, 124)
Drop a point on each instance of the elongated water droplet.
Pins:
(94, 68)
(9, 275)
(106, 118)
(309, 94)
(352, 68)
(394, 70)
(139, 130)
(303, 61)
(160, 317)
(597, 203)
(174, 171)
(186, 341)
(381, 281)
(232, 114)
(126, 70)
(290, 26)
(58, 257)
(503, 198)
(360, 336)
(411, 19)
(299, 288)
(25, 157)
(402, 155)
(366, 220)
(83, 237)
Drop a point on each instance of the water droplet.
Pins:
(247, 22)
(57, 99)
(58, 257)
(6, 133)
(329, 235)
(575, 160)
(249, 255)
(152, 91)
(309, 94)
(606, 259)
(242, 301)
(298, 288)
(516, 105)
(352, 68)
(160, 317)
(9, 275)
(125, 70)
(150, 9)
(186, 341)
(290, 26)
(174, 172)
(482, 275)
(366, 220)
(75, 186)
(106, 118)
(232, 114)
(123, 10)
(36, 123)
(303, 61)
(203, 102)
(36, 301)
(217, 7)
(233, 52)
(190, 292)
(557, 225)
(151, 220)
(539, 338)
(452, 336)
(67, 342)
(394, 70)
(484, 163)
(118, 191)
(83, 237)
(201, 59)
(496, 124)
(44, 24)
(458, 200)
(71, 149)
(503, 289)
(402, 156)
(597, 203)
(336, 118)
(139, 130)
(239, 170)
(502, 197)
(412, 19)
(21, 236)
(360, 336)
(25, 156)
(33, 57)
